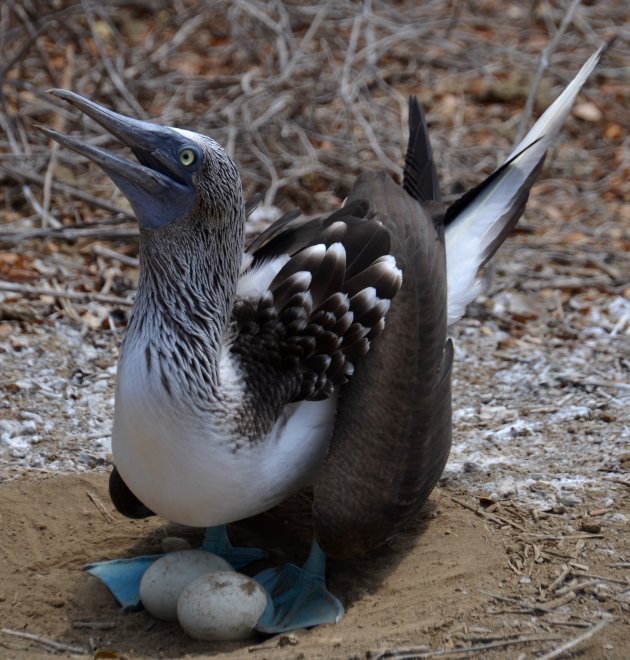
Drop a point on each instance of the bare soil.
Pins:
(433, 587)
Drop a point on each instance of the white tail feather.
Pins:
(478, 224)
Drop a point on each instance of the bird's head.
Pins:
(178, 174)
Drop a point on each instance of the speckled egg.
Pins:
(221, 606)
(165, 579)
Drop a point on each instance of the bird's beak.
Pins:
(154, 185)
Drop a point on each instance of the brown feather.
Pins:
(393, 430)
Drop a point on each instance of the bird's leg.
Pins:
(299, 598)
(216, 541)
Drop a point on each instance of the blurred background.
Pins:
(305, 95)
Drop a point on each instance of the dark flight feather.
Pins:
(124, 500)
(420, 178)
(293, 232)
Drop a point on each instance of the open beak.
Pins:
(153, 185)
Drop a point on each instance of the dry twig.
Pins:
(45, 642)
(410, 653)
(68, 295)
(102, 509)
(576, 641)
(543, 65)
(500, 520)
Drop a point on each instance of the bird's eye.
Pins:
(187, 157)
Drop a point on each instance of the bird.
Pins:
(316, 355)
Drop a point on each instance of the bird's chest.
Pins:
(191, 464)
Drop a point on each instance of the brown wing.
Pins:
(393, 431)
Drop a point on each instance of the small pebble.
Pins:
(591, 526)
(27, 414)
(9, 428)
(29, 426)
(221, 606)
(567, 499)
(25, 384)
(165, 579)
(100, 386)
(288, 640)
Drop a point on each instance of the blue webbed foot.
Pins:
(299, 598)
(216, 541)
(122, 577)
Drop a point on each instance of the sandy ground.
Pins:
(433, 588)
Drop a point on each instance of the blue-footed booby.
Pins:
(317, 355)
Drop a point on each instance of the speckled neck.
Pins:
(188, 275)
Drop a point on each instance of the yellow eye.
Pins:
(187, 157)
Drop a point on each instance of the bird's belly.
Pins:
(182, 468)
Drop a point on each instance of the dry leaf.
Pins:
(613, 131)
(587, 111)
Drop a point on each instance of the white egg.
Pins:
(221, 606)
(165, 579)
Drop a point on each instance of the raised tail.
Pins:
(478, 223)
(420, 176)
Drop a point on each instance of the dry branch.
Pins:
(67, 295)
(543, 64)
(45, 642)
(22, 176)
(410, 653)
(576, 641)
(500, 520)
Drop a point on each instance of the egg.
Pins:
(165, 579)
(221, 606)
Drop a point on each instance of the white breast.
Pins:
(180, 466)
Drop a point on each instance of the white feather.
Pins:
(189, 465)
(367, 297)
(479, 223)
(246, 261)
(255, 282)
(336, 248)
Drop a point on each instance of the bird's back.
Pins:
(393, 430)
